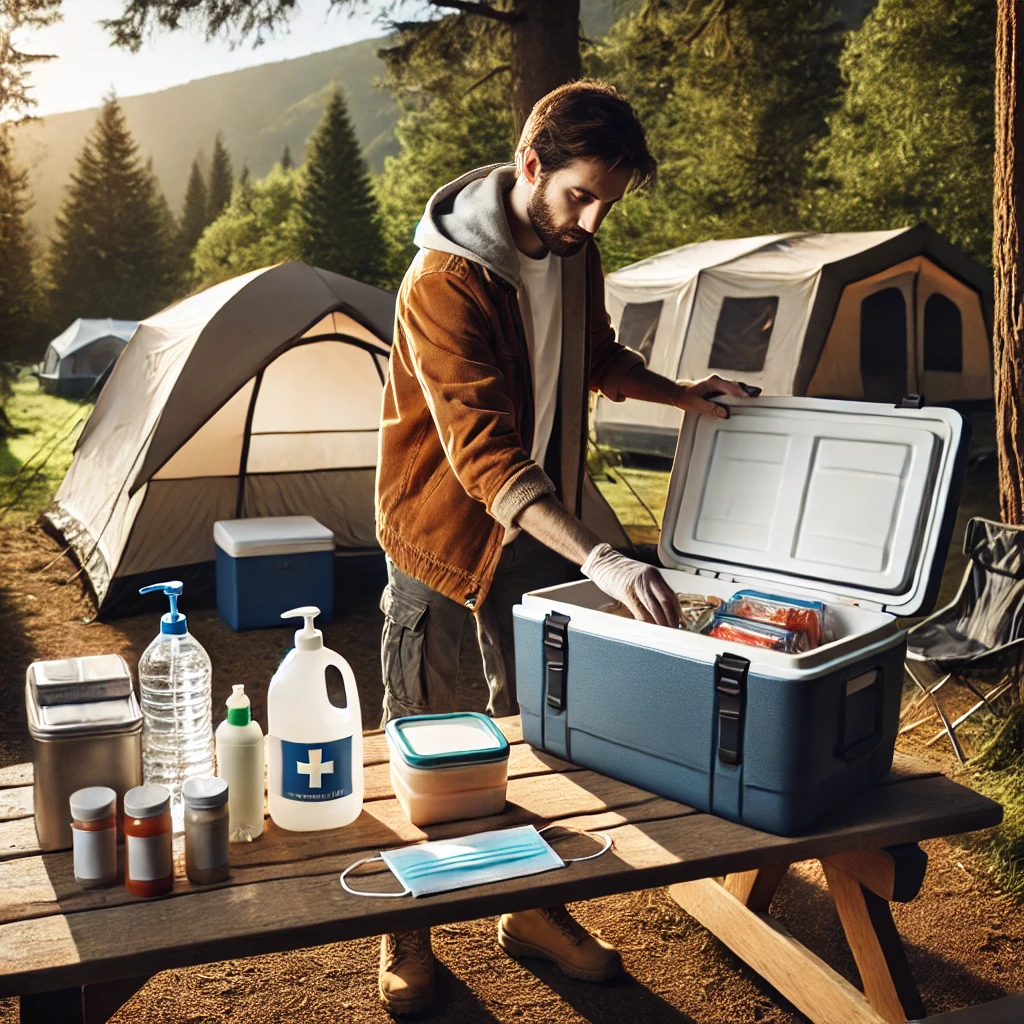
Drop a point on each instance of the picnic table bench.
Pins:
(77, 955)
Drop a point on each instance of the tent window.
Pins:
(638, 326)
(883, 345)
(943, 335)
(742, 334)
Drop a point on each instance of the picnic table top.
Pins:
(283, 892)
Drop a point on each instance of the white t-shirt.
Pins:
(540, 303)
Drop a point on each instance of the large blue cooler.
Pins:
(848, 503)
(271, 565)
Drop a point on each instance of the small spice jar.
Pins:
(149, 861)
(206, 829)
(94, 835)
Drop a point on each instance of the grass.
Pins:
(33, 461)
(998, 772)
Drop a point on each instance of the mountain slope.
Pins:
(258, 110)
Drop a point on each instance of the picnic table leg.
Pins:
(813, 987)
(90, 1004)
(873, 938)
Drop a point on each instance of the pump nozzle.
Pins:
(172, 622)
(309, 638)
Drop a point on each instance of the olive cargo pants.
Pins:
(422, 641)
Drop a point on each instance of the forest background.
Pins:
(798, 115)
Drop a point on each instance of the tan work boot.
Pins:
(406, 980)
(554, 934)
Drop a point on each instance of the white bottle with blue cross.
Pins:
(314, 749)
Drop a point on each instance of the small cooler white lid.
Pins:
(817, 496)
(272, 535)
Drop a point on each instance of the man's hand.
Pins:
(640, 587)
(692, 396)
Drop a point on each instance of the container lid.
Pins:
(96, 718)
(205, 791)
(146, 801)
(92, 803)
(272, 535)
(443, 741)
(79, 680)
(853, 500)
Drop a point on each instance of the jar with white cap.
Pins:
(94, 835)
(149, 853)
(206, 829)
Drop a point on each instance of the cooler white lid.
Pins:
(818, 496)
(272, 535)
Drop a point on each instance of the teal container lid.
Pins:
(445, 741)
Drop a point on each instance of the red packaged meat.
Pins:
(806, 617)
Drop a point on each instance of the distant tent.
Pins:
(79, 356)
(257, 397)
(870, 315)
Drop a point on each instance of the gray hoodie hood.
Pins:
(467, 218)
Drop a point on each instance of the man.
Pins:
(501, 331)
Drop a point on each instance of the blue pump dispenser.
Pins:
(172, 623)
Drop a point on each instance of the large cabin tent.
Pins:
(870, 315)
(257, 397)
(81, 354)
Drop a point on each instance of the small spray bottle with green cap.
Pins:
(175, 679)
(314, 749)
(240, 763)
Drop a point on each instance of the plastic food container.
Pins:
(448, 767)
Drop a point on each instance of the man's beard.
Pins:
(560, 241)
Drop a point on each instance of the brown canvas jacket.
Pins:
(454, 468)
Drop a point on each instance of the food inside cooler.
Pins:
(698, 611)
(759, 634)
(806, 617)
(751, 617)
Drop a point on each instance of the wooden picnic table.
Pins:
(76, 954)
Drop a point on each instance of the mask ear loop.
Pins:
(580, 832)
(357, 892)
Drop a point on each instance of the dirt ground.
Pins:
(963, 937)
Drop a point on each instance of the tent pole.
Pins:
(243, 461)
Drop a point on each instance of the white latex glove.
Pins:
(640, 587)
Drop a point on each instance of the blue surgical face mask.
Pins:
(448, 864)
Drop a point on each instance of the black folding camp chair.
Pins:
(977, 641)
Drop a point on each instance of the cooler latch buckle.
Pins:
(556, 654)
(731, 684)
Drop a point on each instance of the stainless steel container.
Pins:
(86, 729)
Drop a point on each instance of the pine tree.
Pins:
(286, 159)
(18, 292)
(193, 216)
(114, 252)
(220, 182)
(339, 225)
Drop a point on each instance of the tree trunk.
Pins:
(545, 51)
(1008, 319)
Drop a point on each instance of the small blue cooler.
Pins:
(267, 566)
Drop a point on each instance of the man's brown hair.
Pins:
(588, 118)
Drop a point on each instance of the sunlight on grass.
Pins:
(33, 462)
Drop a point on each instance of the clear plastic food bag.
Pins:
(792, 613)
(759, 634)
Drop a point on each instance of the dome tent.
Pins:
(80, 355)
(257, 397)
(869, 315)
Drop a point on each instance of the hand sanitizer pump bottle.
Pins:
(314, 750)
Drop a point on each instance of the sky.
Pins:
(87, 67)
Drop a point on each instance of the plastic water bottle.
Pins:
(175, 680)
